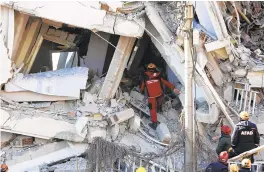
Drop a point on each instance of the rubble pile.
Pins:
(88, 99)
(82, 120)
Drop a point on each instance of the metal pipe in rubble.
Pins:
(189, 155)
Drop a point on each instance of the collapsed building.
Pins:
(70, 79)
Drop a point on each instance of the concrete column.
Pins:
(96, 53)
(117, 67)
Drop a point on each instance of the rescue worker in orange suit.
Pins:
(153, 83)
(4, 168)
(245, 136)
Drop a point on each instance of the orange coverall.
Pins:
(152, 81)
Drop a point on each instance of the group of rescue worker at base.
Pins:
(245, 165)
(244, 138)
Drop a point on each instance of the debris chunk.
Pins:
(80, 124)
(113, 103)
(163, 133)
(228, 91)
(121, 116)
(136, 95)
(114, 130)
(134, 123)
(240, 73)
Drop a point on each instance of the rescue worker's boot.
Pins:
(153, 125)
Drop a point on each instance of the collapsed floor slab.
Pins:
(46, 154)
(41, 127)
(29, 96)
(63, 82)
(101, 20)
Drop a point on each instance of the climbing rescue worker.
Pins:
(245, 136)
(4, 168)
(141, 169)
(225, 140)
(220, 165)
(245, 165)
(153, 82)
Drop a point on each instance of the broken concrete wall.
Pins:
(98, 19)
(96, 53)
(46, 154)
(6, 42)
(41, 127)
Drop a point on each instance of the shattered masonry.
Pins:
(70, 84)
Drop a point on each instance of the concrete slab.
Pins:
(100, 20)
(140, 143)
(43, 127)
(4, 116)
(46, 154)
(121, 116)
(29, 96)
(51, 82)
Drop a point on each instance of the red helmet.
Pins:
(225, 129)
(223, 156)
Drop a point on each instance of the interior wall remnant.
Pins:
(117, 67)
(203, 17)
(43, 58)
(96, 54)
(110, 52)
(20, 25)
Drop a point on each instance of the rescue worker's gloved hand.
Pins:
(176, 91)
(230, 150)
(256, 152)
(215, 138)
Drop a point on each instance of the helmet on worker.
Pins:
(246, 163)
(226, 129)
(234, 168)
(223, 157)
(4, 167)
(151, 66)
(244, 115)
(141, 169)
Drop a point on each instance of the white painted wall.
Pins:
(96, 53)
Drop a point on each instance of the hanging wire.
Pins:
(108, 42)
